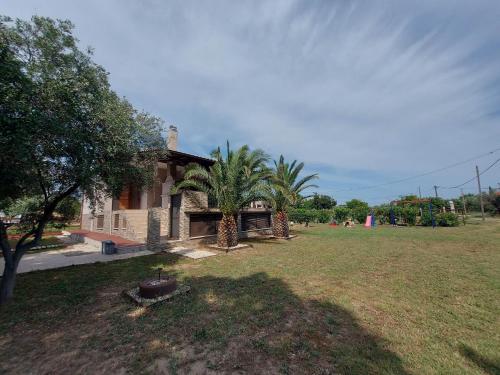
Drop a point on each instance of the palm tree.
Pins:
(233, 181)
(283, 190)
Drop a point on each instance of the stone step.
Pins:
(130, 248)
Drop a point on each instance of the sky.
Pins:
(365, 93)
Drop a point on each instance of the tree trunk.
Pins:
(227, 236)
(12, 259)
(8, 282)
(280, 225)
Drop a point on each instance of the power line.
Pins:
(471, 179)
(422, 174)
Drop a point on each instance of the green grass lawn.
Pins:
(333, 300)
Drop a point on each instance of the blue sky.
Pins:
(362, 92)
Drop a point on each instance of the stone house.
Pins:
(156, 216)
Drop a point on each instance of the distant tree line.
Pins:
(408, 210)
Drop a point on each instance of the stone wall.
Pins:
(153, 239)
(192, 201)
(154, 225)
(255, 233)
(86, 221)
(165, 223)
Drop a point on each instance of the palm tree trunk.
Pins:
(227, 235)
(280, 225)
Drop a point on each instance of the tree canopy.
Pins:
(62, 129)
(319, 202)
(356, 203)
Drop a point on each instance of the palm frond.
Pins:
(283, 189)
(234, 180)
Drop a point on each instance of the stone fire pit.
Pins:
(159, 289)
(155, 288)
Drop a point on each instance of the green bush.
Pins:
(426, 219)
(382, 213)
(447, 219)
(301, 215)
(341, 214)
(410, 215)
(438, 203)
(304, 215)
(323, 216)
(360, 213)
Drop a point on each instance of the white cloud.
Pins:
(387, 89)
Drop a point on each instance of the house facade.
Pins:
(156, 216)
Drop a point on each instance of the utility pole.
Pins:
(420, 203)
(480, 193)
(463, 204)
(463, 201)
(436, 190)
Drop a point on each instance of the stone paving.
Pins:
(191, 253)
(86, 253)
(72, 255)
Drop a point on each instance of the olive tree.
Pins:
(62, 130)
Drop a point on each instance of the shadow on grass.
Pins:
(487, 365)
(253, 324)
(256, 324)
(66, 289)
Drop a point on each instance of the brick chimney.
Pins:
(172, 138)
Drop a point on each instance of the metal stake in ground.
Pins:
(432, 216)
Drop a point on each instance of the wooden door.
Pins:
(124, 201)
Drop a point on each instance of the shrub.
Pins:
(301, 215)
(359, 214)
(410, 215)
(447, 219)
(382, 213)
(341, 214)
(426, 220)
(439, 203)
(323, 216)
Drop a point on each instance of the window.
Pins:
(124, 223)
(100, 222)
(116, 222)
